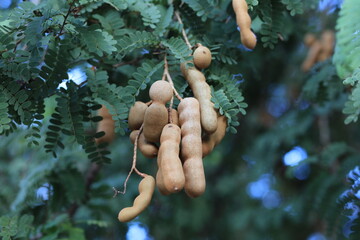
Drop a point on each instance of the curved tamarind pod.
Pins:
(309, 39)
(202, 93)
(136, 115)
(191, 147)
(312, 56)
(209, 142)
(148, 149)
(327, 45)
(146, 190)
(174, 116)
(107, 125)
(160, 182)
(243, 20)
(156, 117)
(202, 57)
(170, 163)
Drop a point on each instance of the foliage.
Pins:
(57, 182)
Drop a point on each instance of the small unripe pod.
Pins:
(136, 115)
(161, 91)
(146, 190)
(148, 149)
(202, 57)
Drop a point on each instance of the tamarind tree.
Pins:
(288, 167)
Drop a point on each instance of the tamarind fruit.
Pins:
(202, 57)
(160, 182)
(106, 125)
(136, 115)
(170, 163)
(174, 116)
(202, 93)
(191, 147)
(327, 45)
(148, 149)
(156, 115)
(312, 56)
(209, 142)
(146, 190)
(243, 20)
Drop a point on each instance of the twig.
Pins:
(134, 61)
(166, 72)
(133, 167)
(183, 30)
(66, 17)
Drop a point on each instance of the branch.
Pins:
(183, 30)
(66, 17)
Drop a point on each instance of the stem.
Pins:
(166, 72)
(66, 17)
(177, 14)
(133, 167)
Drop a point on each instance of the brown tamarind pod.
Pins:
(312, 56)
(202, 57)
(106, 125)
(191, 147)
(309, 39)
(327, 45)
(156, 117)
(202, 93)
(161, 91)
(243, 20)
(136, 115)
(148, 149)
(146, 190)
(171, 166)
(160, 182)
(209, 142)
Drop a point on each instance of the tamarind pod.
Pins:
(106, 125)
(327, 45)
(191, 147)
(309, 39)
(160, 183)
(202, 57)
(148, 149)
(174, 116)
(161, 91)
(214, 139)
(202, 93)
(136, 115)
(243, 20)
(170, 163)
(146, 190)
(312, 56)
(156, 117)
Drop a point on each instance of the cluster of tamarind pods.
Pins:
(319, 49)
(178, 138)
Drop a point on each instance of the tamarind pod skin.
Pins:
(161, 91)
(148, 149)
(312, 56)
(202, 93)
(156, 117)
(136, 115)
(171, 166)
(146, 190)
(202, 57)
(160, 183)
(214, 139)
(243, 20)
(174, 116)
(191, 147)
(106, 125)
(309, 39)
(104, 112)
